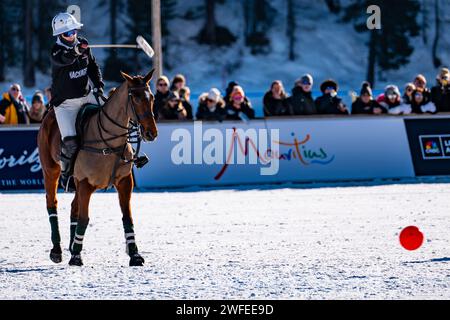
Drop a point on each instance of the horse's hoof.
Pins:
(136, 260)
(76, 261)
(55, 256)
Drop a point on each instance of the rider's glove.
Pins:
(82, 47)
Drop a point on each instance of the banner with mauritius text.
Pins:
(283, 150)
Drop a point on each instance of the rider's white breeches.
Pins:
(66, 114)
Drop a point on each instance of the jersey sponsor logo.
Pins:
(78, 74)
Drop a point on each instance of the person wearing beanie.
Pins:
(275, 101)
(365, 104)
(390, 99)
(173, 109)
(408, 94)
(421, 102)
(211, 106)
(329, 102)
(229, 89)
(238, 106)
(37, 110)
(162, 93)
(440, 93)
(301, 102)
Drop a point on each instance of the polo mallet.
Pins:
(142, 44)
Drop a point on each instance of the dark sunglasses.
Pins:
(15, 89)
(162, 84)
(70, 33)
(210, 100)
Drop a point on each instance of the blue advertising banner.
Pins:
(20, 167)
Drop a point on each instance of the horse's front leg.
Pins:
(51, 175)
(84, 193)
(125, 189)
(73, 220)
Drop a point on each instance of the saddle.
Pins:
(86, 112)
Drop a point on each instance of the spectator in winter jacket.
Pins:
(408, 94)
(390, 99)
(365, 104)
(185, 95)
(421, 102)
(162, 93)
(421, 82)
(173, 109)
(211, 106)
(178, 82)
(238, 107)
(440, 94)
(13, 107)
(329, 102)
(301, 102)
(275, 101)
(37, 110)
(229, 90)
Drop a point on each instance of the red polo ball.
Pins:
(411, 238)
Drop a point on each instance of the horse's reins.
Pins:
(133, 135)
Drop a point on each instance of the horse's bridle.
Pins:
(134, 131)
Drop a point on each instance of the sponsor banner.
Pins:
(233, 153)
(285, 150)
(20, 168)
(429, 140)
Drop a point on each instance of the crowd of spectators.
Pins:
(14, 108)
(173, 101)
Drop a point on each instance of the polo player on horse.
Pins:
(73, 65)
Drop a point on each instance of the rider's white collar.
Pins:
(58, 41)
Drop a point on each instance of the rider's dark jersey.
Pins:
(71, 73)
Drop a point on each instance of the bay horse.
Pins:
(105, 159)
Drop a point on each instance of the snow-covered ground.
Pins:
(293, 243)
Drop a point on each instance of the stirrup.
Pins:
(141, 161)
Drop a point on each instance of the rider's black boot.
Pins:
(69, 148)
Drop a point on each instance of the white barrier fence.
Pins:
(304, 149)
(310, 149)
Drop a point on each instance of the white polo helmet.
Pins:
(64, 22)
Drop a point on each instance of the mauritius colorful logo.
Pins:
(298, 150)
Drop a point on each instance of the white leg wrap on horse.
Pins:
(129, 235)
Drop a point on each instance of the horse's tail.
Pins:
(49, 144)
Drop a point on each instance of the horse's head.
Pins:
(141, 101)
